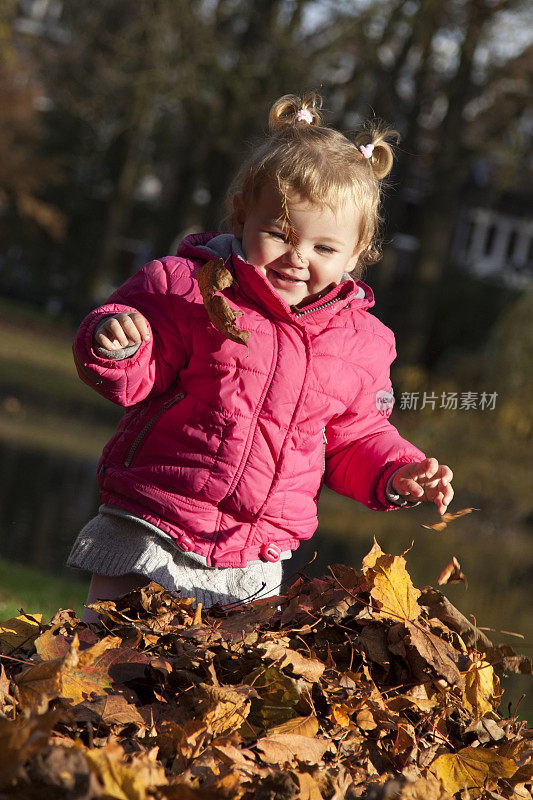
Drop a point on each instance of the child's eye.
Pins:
(277, 235)
(322, 248)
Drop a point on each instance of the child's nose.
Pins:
(296, 256)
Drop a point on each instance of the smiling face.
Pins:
(327, 243)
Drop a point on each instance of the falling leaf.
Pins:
(472, 768)
(452, 573)
(390, 586)
(482, 689)
(504, 657)
(448, 517)
(212, 277)
(19, 632)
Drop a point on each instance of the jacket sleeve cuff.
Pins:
(118, 355)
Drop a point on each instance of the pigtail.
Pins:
(293, 110)
(373, 146)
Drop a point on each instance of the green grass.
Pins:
(36, 592)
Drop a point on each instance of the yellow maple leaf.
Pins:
(472, 768)
(18, 631)
(482, 689)
(390, 586)
(372, 556)
(122, 780)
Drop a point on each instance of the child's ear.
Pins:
(239, 215)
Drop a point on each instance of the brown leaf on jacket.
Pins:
(212, 277)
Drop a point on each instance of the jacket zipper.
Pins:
(147, 428)
(89, 375)
(325, 438)
(316, 308)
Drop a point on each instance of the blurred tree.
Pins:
(167, 94)
(25, 168)
(419, 65)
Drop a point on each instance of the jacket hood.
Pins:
(208, 246)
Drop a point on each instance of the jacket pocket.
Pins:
(141, 436)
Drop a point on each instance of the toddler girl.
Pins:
(251, 370)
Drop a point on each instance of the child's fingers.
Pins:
(122, 330)
(104, 341)
(141, 325)
(409, 487)
(131, 330)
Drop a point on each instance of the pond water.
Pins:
(45, 498)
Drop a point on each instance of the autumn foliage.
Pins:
(355, 684)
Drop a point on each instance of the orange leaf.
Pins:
(448, 517)
(451, 573)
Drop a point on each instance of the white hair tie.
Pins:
(304, 115)
(366, 149)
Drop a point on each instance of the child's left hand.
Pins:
(425, 480)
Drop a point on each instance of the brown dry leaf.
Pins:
(309, 789)
(122, 780)
(20, 739)
(111, 709)
(214, 277)
(482, 689)
(424, 789)
(505, 657)
(340, 715)
(448, 517)
(302, 726)
(391, 587)
(445, 660)
(19, 632)
(309, 668)
(5, 689)
(452, 573)
(286, 748)
(437, 605)
(472, 768)
(228, 707)
(39, 684)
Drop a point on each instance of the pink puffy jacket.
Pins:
(223, 447)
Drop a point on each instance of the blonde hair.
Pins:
(320, 164)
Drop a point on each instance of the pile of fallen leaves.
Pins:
(352, 685)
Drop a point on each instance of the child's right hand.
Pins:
(121, 330)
